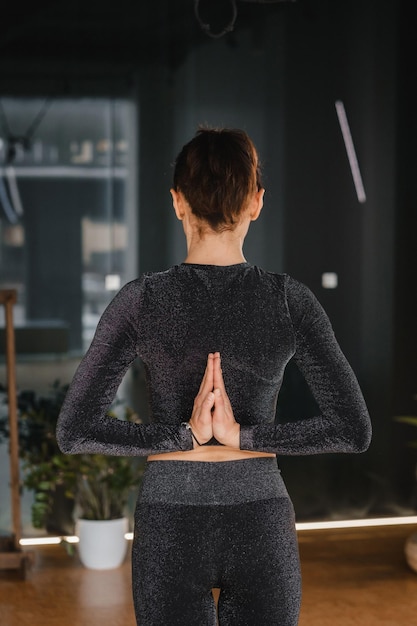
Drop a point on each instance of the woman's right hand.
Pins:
(225, 428)
(201, 420)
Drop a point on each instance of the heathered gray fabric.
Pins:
(230, 525)
(205, 483)
(257, 320)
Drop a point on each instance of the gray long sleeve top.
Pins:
(257, 320)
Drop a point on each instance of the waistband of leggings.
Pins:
(206, 483)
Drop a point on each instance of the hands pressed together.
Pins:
(212, 414)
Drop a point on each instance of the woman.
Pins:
(215, 334)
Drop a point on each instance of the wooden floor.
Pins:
(350, 578)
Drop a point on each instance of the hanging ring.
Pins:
(206, 27)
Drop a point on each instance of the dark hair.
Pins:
(216, 172)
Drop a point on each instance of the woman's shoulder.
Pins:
(145, 279)
(297, 292)
(276, 280)
(299, 298)
(303, 304)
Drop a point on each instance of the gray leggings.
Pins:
(227, 525)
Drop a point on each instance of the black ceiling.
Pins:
(123, 31)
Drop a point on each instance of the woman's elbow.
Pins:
(66, 441)
(361, 437)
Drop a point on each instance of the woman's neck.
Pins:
(211, 248)
(206, 246)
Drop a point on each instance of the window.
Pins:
(67, 215)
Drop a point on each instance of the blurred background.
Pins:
(96, 99)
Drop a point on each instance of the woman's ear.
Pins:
(258, 202)
(177, 203)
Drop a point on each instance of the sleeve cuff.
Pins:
(246, 437)
(185, 439)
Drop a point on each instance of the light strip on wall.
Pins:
(350, 149)
(334, 524)
(358, 523)
(47, 541)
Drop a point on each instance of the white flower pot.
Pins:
(102, 543)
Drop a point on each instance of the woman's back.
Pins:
(192, 310)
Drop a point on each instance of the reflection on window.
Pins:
(64, 193)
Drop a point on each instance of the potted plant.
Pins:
(45, 470)
(102, 489)
(91, 488)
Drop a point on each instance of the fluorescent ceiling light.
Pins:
(350, 149)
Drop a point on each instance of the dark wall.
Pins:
(405, 267)
(278, 75)
(349, 52)
(279, 79)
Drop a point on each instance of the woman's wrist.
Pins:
(196, 441)
(231, 438)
